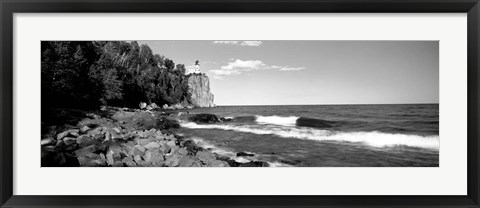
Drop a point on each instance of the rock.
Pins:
(62, 135)
(191, 146)
(186, 162)
(93, 115)
(165, 106)
(92, 160)
(69, 141)
(173, 160)
(254, 164)
(205, 157)
(142, 105)
(59, 142)
(145, 134)
(204, 118)
(165, 123)
(109, 157)
(226, 119)
(134, 152)
(47, 141)
(128, 161)
(199, 90)
(154, 157)
(116, 148)
(102, 156)
(85, 140)
(70, 147)
(152, 145)
(96, 131)
(108, 136)
(165, 149)
(231, 163)
(218, 163)
(90, 149)
(118, 164)
(117, 130)
(140, 148)
(99, 137)
(118, 137)
(128, 144)
(84, 129)
(244, 154)
(172, 145)
(144, 142)
(138, 159)
(182, 151)
(154, 106)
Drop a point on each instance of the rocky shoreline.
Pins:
(122, 137)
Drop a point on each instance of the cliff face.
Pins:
(199, 89)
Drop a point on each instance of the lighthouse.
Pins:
(197, 67)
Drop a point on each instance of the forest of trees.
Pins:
(87, 74)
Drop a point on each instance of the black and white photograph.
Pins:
(240, 103)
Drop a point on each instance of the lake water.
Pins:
(404, 135)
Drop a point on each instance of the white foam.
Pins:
(277, 120)
(374, 138)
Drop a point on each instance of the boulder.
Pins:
(47, 141)
(129, 162)
(137, 159)
(110, 159)
(204, 118)
(91, 160)
(62, 135)
(254, 164)
(140, 148)
(142, 105)
(90, 149)
(152, 145)
(165, 123)
(173, 146)
(144, 142)
(117, 130)
(205, 157)
(165, 149)
(173, 160)
(182, 151)
(218, 163)
(69, 141)
(154, 157)
(99, 137)
(186, 162)
(85, 140)
(84, 129)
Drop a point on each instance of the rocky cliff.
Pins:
(199, 90)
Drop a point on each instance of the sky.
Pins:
(289, 72)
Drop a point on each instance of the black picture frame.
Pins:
(9, 7)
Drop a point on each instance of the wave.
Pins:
(277, 120)
(373, 138)
(285, 121)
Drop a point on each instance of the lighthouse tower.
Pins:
(197, 68)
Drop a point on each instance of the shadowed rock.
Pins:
(204, 118)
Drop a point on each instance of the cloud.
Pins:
(238, 66)
(251, 43)
(239, 43)
(286, 68)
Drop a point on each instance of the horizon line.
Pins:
(331, 104)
